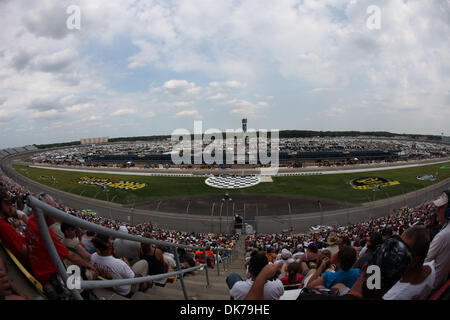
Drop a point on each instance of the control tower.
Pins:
(244, 125)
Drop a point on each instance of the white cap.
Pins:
(123, 229)
(441, 201)
(285, 253)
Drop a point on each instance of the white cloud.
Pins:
(218, 96)
(187, 113)
(122, 112)
(181, 104)
(320, 90)
(309, 54)
(148, 54)
(235, 84)
(177, 87)
(80, 107)
(149, 114)
(93, 118)
(247, 108)
(228, 84)
(334, 111)
(47, 114)
(57, 61)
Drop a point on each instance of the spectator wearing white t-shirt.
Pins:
(169, 257)
(285, 257)
(273, 289)
(440, 246)
(418, 279)
(113, 268)
(407, 291)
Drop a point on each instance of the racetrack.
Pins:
(248, 205)
(158, 187)
(204, 223)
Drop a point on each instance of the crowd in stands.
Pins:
(410, 247)
(79, 155)
(96, 255)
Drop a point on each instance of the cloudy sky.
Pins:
(149, 67)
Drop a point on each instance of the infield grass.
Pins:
(330, 186)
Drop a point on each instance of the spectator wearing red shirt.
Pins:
(293, 275)
(11, 239)
(210, 257)
(311, 254)
(41, 263)
(343, 242)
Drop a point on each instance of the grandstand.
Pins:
(294, 153)
(30, 148)
(224, 159)
(221, 258)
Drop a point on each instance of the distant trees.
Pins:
(283, 134)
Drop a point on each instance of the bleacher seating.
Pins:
(399, 221)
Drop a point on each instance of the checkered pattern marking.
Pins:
(232, 182)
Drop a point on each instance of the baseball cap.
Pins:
(285, 253)
(442, 200)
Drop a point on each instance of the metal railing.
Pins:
(41, 208)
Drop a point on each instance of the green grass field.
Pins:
(333, 186)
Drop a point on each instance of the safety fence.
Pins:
(41, 208)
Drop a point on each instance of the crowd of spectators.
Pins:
(411, 149)
(410, 247)
(394, 224)
(96, 255)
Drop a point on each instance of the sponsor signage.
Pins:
(111, 183)
(367, 183)
(46, 178)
